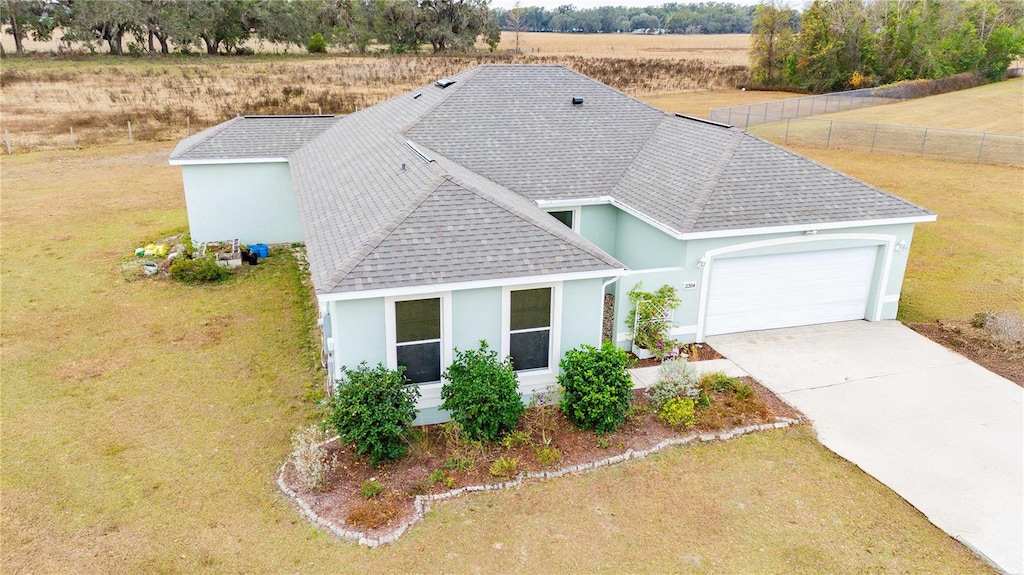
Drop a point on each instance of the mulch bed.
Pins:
(977, 345)
(692, 352)
(433, 448)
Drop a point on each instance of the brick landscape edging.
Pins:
(422, 502)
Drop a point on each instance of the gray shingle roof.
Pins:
(439, 185)
(252, 137)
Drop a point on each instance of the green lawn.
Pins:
(143, 424)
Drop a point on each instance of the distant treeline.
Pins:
(671, 18)
(849, 44)
(224, 26)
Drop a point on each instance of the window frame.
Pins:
(576, 213)
(391, 330)
(555, 327)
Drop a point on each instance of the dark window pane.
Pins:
(422, 361)
(529, 350)
(531, 308)
(417, 320)
(564, 217)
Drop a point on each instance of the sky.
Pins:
(551, 4)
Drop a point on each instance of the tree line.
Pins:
(850, 44)
(672, 18)
(223, 26)
(218, 26)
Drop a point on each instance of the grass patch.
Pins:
(143, 424)
(997, 107)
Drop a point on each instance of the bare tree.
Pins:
(517, 21)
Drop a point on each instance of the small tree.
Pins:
(372, 408)
(517, 22)
(597, 388)
(317, 44)
(482, 393)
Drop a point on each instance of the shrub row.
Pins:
(374, 407)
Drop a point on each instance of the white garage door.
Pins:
(785, 290)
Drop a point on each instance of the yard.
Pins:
(144, 423)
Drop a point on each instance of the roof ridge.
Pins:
(701, 203)
(381, 234)
(207, 134)
(571, 238)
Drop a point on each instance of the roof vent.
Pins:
(444, 83)
(577, 101)
(418, 94)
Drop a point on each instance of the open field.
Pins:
(997, 107)
(45, 100)
(699, 103)
(143, 424)
(733, 49)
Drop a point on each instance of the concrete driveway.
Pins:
(938, 429)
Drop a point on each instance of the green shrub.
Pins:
(743, 391)
(678, 411)
(458, 463)
(439, 476)
(548, 456)
(597, 389)
(200, 270)
(482, 394)
(515, 439)
(504, 467)
(718, 381)
(676, 378)
(370, 488)
(317, 44)
(372, 408)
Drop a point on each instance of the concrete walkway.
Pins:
(941, 431)
(644, 377)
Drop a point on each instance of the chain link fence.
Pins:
(778, 110)
(965, 146)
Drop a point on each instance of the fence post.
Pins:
(10, 146)
(826, 107)
(829, 139)
(72, 129)
(924, 141)
(188, 125)
(730, 117)
(874, 134)
(131, 138)
(798, 106)
(977, 161)
(765, 119)
(786, 140)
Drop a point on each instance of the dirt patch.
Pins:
(977, 345)
(439, 461)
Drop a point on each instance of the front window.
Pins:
(418, 339)
(530, 328)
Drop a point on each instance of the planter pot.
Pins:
(642, 353)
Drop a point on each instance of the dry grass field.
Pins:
(997, 107)
(143, 424)
(732, 49)
(54, 104)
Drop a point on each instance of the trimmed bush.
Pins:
(372, 408)
(482, 394)
(678, 411)
(597, 388)
(197, 271)
(676, 378)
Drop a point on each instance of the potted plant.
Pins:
(650, 322)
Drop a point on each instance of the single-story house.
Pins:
(505, 202)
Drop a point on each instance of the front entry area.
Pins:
(787, 290)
